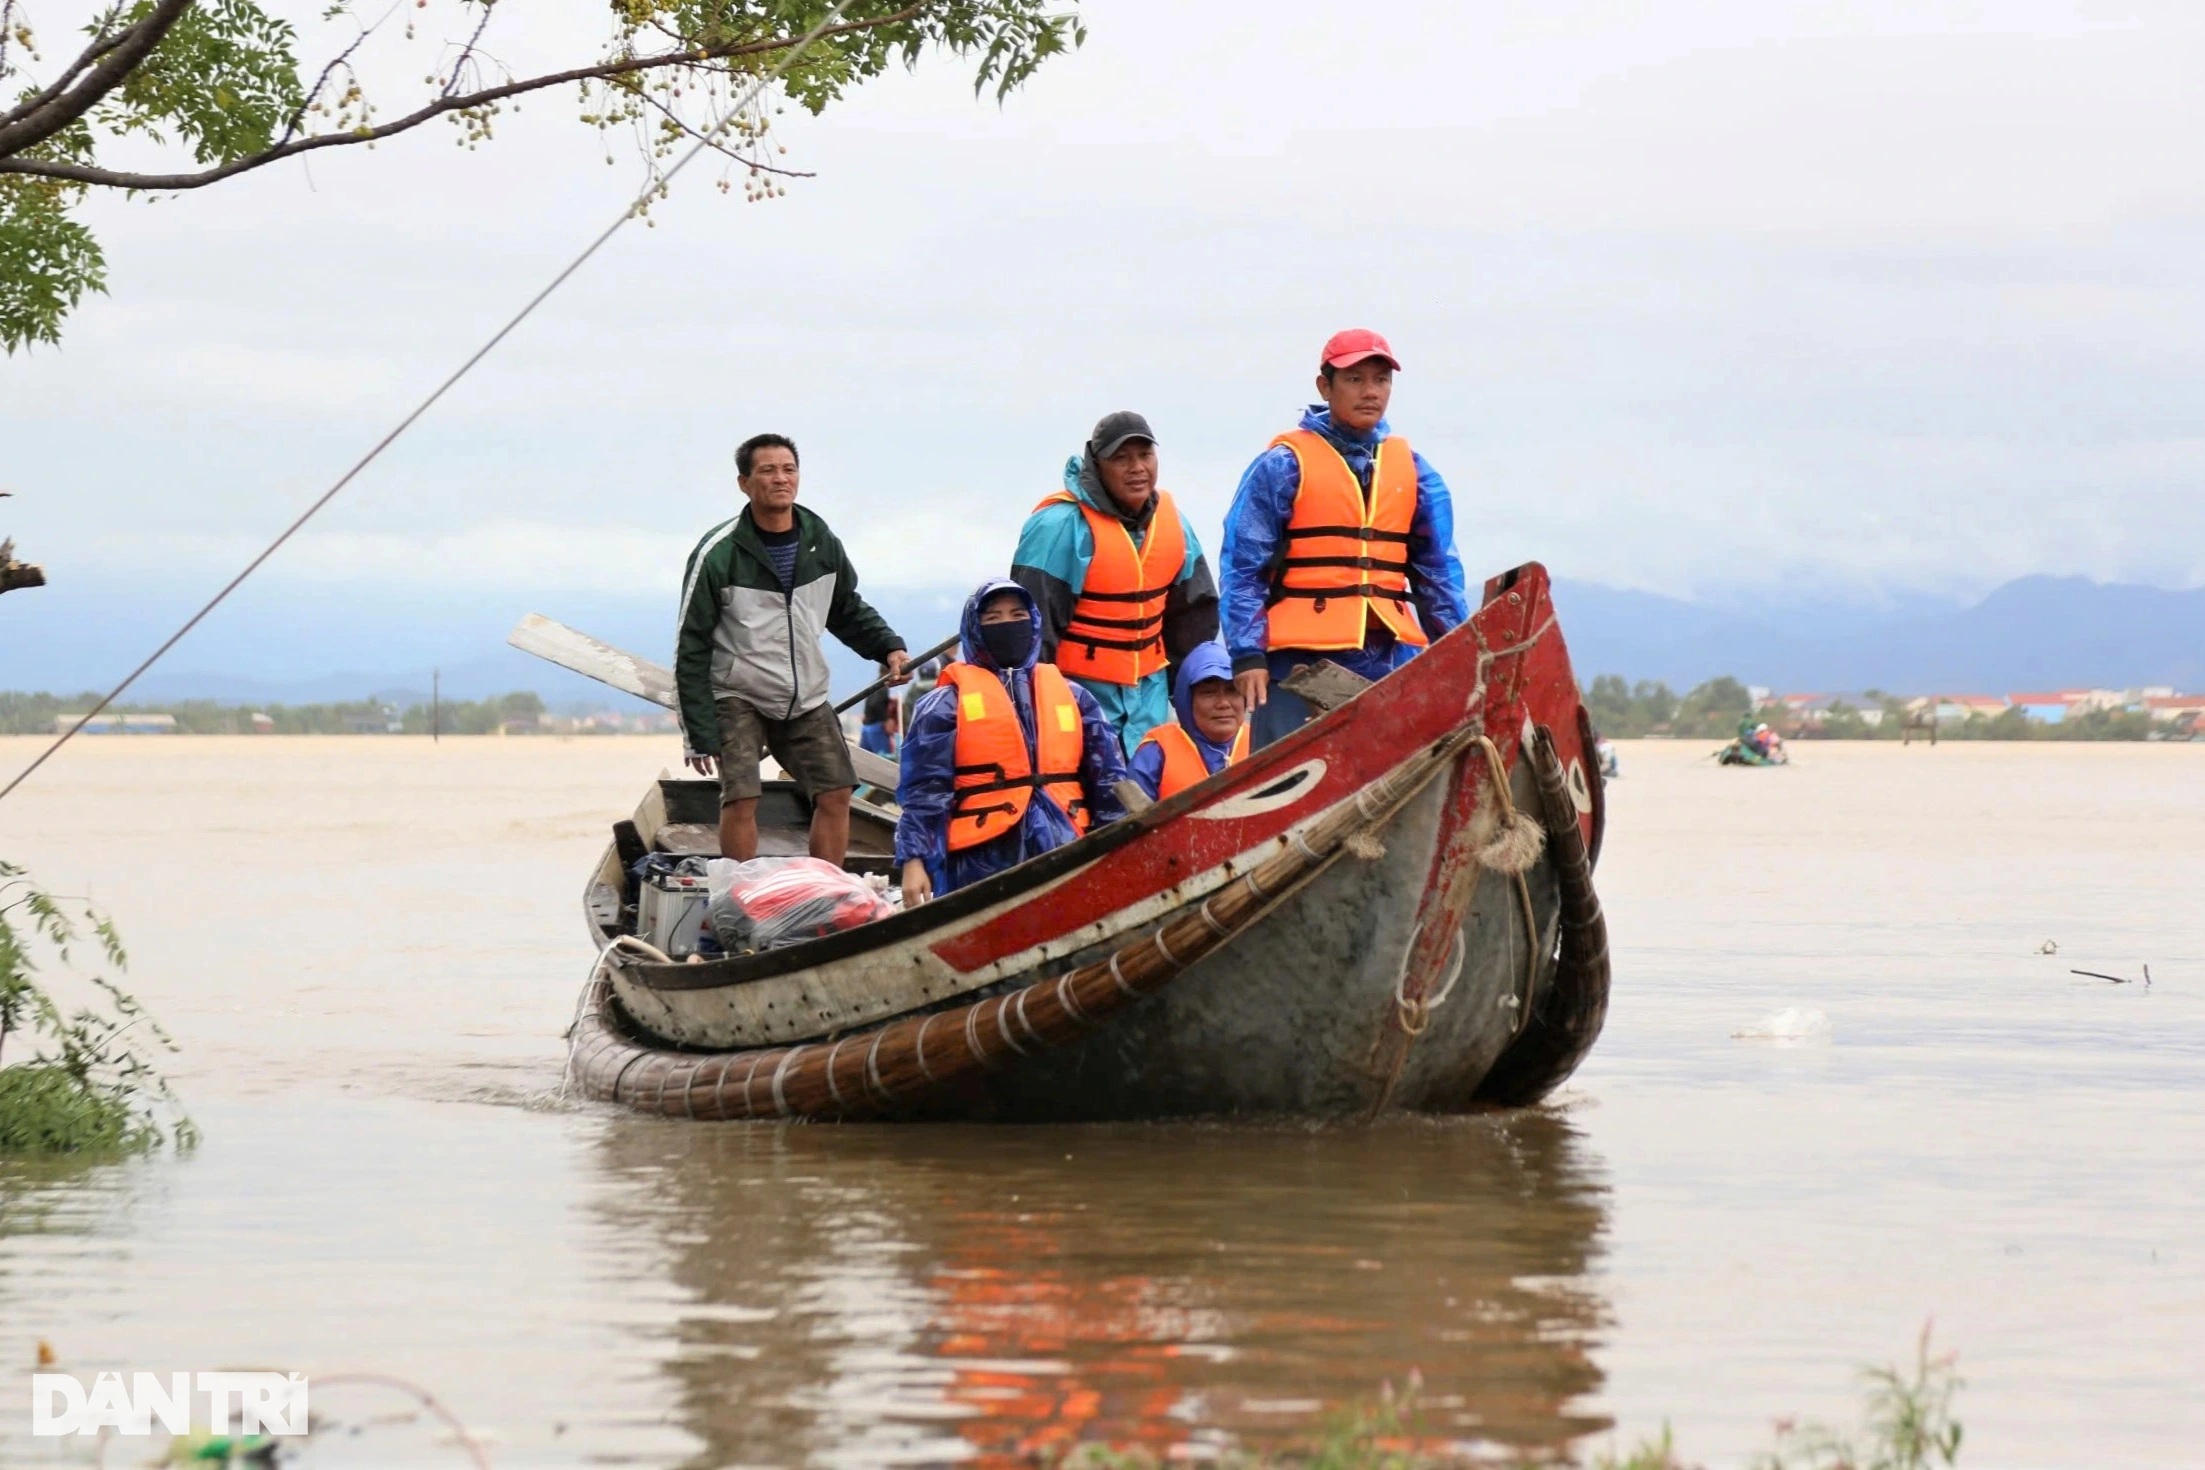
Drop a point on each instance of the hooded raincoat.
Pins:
(1207, 661)
(1051, 562)
(930, 763)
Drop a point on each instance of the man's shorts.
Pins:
(809, 747)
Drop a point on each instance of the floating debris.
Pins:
(1789, 1026)
(2116, 979)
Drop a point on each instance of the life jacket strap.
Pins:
(1355, 533)
(1123, 645)
(1144, 595)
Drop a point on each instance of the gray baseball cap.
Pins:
(1114, 430)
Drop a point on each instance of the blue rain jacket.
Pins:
(1255, 541)
(1051, 562)
(1209, 661)
(930, 763)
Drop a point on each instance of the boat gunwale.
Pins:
(1023, 880)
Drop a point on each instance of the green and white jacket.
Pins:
(743, 636)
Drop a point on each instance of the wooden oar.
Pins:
(593, 658)
(911, 667)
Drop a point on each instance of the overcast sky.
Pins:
(1874, 299)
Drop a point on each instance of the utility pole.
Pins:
(436, 705)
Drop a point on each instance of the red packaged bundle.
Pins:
(802, 899)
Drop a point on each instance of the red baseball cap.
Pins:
(1345, 349)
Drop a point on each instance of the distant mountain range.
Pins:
(2032, 634)
(295, 645)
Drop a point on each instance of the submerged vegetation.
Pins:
(82, 1080)
(1907, 1424)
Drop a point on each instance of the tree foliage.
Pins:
(76, 1080)
(220, 82)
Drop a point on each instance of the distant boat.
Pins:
(1390, 909)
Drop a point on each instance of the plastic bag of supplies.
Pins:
(800, 899)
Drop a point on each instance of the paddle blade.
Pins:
(570, 648)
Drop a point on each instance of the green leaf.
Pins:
(48, 261)
(225, 78)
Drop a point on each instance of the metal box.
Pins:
(670, 913)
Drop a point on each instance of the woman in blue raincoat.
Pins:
(1207, 663)
(927, 790)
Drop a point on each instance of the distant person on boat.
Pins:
(879, 722)
(1210, 733)
(1122, 583)
(748, 667)
(998, 769)
(1340, 543)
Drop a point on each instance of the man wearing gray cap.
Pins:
(1123, 587)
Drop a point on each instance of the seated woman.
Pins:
(1005, 760)
(1212, 732)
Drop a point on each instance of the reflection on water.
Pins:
(866, 1296)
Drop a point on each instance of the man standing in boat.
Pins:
(1007, 759)
(748, 667)
(1340, 543)
(1120, 579)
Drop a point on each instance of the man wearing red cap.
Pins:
(1340, 543)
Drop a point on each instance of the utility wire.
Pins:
(706, 139)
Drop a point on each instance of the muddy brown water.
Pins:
(368, 948)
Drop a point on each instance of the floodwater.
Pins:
(368, 949)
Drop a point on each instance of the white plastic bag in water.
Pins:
(1791, 1026)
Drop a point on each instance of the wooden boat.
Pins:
(1391, 909)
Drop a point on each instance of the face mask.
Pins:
(1008, 643)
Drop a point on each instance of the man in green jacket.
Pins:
(758, 592)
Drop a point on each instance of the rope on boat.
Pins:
(892, 1067)
(1416, 1015)
(1517, 842)
(630, 942)
(1568, 1014)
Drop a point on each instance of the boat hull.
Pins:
(1353, 925)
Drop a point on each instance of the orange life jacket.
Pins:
(1116, 633)
(1183, 763)
(995, 778)
(1347, 556)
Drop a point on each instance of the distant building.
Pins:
(118, 724)
(2050, 707)
(2174, 708)
(1812, 711)
(257, 723)
(1955, 708)
(381, 723)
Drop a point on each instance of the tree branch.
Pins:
(341, 60)
(55, 108)
(102, 43)
(674, 120)
(467, 52)
(692, 56)
(14, 574)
